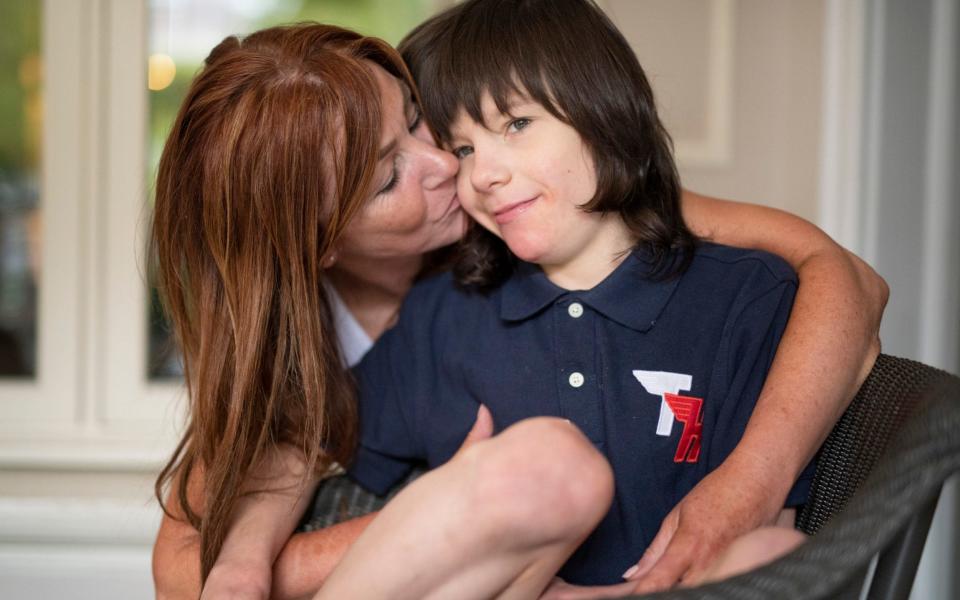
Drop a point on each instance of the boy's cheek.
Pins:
(468, 202)
(485, 221)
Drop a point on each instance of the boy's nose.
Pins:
(488, 172)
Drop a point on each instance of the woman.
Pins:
(278, 197)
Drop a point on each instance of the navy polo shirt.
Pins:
(661, 376)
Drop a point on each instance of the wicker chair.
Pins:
(878, 479)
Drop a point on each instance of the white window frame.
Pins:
(92, 404)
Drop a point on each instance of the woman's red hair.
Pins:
(272, 153)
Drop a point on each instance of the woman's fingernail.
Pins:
(631, 571)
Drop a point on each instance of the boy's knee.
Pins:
(544, 477)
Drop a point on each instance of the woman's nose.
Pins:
(440, 168)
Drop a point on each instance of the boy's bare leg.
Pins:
(497, 521)
(747, 552)
(756, 548)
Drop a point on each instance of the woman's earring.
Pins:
(330, 260)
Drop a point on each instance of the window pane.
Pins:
(21, 111)
(182, 32)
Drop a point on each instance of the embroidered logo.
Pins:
(686, 409)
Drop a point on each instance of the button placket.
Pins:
(576, 360)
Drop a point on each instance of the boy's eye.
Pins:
(462, 152)
(518, 124)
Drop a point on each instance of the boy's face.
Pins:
(523, 176)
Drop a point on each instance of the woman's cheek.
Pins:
(406, 213)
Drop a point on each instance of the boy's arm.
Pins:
(829, 346)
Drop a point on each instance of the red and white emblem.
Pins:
(686, 409)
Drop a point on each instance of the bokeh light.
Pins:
(161, 72)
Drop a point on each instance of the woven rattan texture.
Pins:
(340, 499)
(889, 396)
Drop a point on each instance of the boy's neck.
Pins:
(597, 261)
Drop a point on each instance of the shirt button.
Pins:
(575, 310)
(576, 379)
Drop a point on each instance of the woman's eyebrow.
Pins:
(387, 149)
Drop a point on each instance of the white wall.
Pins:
(895, 198)
(738, 83)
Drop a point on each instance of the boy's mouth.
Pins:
(512, 211)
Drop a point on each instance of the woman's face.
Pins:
(414, 206)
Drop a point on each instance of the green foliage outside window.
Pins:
(19, 86)
(21, 114)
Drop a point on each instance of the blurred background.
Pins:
(841, 111)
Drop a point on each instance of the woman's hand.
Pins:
(723, 506)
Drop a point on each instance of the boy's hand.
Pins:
(723, 506)
(244, 580)
(482, 429)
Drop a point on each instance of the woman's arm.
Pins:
(829, 346)
(832, 338)
(260, 527)
(299, 571)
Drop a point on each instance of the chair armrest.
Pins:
(905, 482)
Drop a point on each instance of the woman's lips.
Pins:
(512, 212)
(452, 208)
(454, 204)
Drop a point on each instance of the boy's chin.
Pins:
(526, 252)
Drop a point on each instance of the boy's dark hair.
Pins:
(569, 57)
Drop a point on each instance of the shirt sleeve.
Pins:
(752, 339)
(387, 381)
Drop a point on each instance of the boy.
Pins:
(580, 292)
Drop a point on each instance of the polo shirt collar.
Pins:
(628, 295)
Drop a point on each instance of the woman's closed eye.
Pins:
(392, 183)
